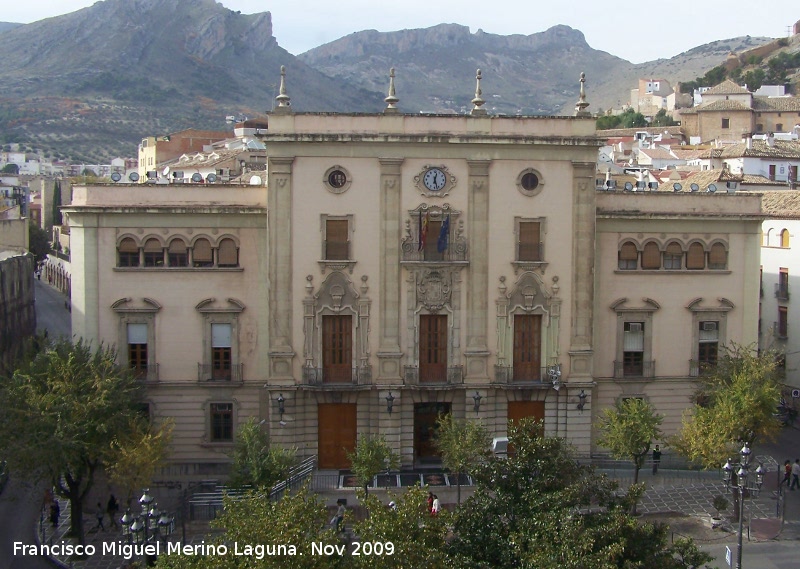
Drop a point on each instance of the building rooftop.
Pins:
(788, 149)
(727, 87)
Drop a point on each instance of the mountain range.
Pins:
(90, 84)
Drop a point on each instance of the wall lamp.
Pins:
(389, 402)
(477, 398)
(281, 405)
(581, 400)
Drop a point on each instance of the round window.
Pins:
(337, 179)
(530, 181)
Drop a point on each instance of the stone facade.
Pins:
(17, 313)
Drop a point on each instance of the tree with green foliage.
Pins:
(291, 523)
(57, 218)
(255, 462)
(38, 242)
(372, 456)
(542, 509)
(754, 79)
(61, 415)
(463, 445)
(10, 168)
(627, 429)
(734, 403)
(418, 539)
(662, 119)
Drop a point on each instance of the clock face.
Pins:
(434, 179)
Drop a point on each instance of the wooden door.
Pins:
(527, 347)
(336, 434)
(425, 415)
(337, 349)
(432, 348)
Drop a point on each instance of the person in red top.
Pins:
(430, 498)
(787, 472)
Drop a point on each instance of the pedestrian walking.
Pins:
(55, 512)
(112, 508)
(787, 473)
(100, 514)
(656, 459)
(436, 505)
(339, 517)
(795, 474)
(430, 502)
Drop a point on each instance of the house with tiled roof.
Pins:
(658, 158)
(775, 160)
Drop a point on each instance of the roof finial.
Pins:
(581, 105)
(391, 100)
(478, 101)
(282, 98)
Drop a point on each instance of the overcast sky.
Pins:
(634, 31)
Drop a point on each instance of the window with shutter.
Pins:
(337, 240)
(529, 246)
(221, 351)
(696, 257)
(228, 253)
(673, 257)
(633, 349)
(785, 238)
(221, 419)
(177, 254)
(628, 257)
(137, 348)
(433, 348)
(128, 253)
(202, 255)
(708, 344)
(651, 257)
(153, 253)
(431, 250)
(718, 257)
(337, 349)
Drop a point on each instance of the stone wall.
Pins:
(17, 313)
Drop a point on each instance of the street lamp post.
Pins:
(739, 485)
(145, 528)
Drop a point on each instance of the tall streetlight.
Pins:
(739, 484)
(145, 528)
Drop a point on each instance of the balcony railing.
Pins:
(455, 252)
(431, 376)
(782, 291)
(148, 373)
(521, 375)
(337, 376)
(698, 368)
(212, 373)
(626, 370)
(780, 330)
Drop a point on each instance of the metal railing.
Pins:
(644, 369)
(782, 291)
(780, 330)
(698, 368)
(430, 376)
(297, 476)
(212, 373)
(511, 375)
(456, 251)
(361, 375)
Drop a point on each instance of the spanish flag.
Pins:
(423, 230)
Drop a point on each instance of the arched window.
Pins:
(201, 253)
(153, 253)
(128, 253)
(628, 256)
(768, 238)
(178, 254)
(785, 238)
(696, 257)
(651, 257)
(718, 257)
(228, 253)
(673, 257)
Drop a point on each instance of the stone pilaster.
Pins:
(583, 250)
(280, 267)
(389, 353)
(476, 354)
(85, 292)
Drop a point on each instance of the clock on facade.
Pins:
(434, 179)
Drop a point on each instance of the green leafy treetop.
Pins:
(734, 403)
(542, 509)
(61, 415)
(463, 444)
(372, 456)
(255, 463)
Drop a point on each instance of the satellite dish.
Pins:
(116, 177)
(711, 188)
(211, 178)
(133, 177)
(166, 171)
(197, 177)
(694, 187)
(676, 187)
(628, 186)
(255, 181)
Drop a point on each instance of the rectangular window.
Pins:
(137, 349)
(153, 253)
(782, 328)
(433, 348)
(221, 422)
(529, 246)
(430, 251)
(726, 123)
(628, 257)
(128, 253)
(337, 349)
(779, 127)
(708, 346)
(221, 352)
(782, 288)
(177, 254)
(633, 349)
(337, 246)
(772, 170)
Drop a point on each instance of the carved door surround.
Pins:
(456, 251)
